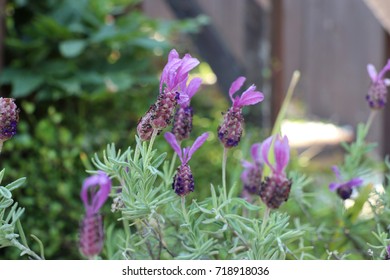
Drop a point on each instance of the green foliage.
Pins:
(11, 230)
(159, 224)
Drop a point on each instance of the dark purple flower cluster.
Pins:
(9, 118)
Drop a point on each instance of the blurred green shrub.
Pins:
(82, 72)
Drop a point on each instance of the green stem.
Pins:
(147, 157)
(265, 218)
(172, 167)
(286, 102)
(1, 146)
(224, 160)
(187, 220)
(370, 120)
(126, 227)
(25, 249)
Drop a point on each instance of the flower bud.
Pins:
(230, 131)
(9, 117)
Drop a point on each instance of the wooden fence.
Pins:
(330, 42)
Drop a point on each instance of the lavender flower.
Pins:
(275, 189)
(344, 189)
(253, 171)
(377, 93)
(9, 117)
(387, 257)
(94, 193)
(172, 85)
(182, 121)
(183, 182)
(230, 131)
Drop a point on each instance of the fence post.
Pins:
(2, 33)
(386, 115)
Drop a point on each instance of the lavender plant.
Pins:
(268, 215)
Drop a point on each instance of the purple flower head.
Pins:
(275, 189)
(9, 117)
(377, 93)
(281, 151)
(248, 97)
(344, 188)
(253, 171)
(230, 131)
(173, 91)
(94, 193)
(183, 182)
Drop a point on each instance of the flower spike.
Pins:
(94, 193)
(183, 182)
(230, 131)
(9, 118)
(275, 189)
(377, 92)
(253, 171)
(172, 92)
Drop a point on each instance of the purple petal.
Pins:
(387, 82)
(255, 152)
(250, 97)
(197, 144)
(169, 72)
(246, 164)
(372, 72)
(244, 176)
(265, 149)
(193, 87)
(384, 70)
(172, 55)
(336, 172)
(282, 153)
(171, 139)
(236, 85)
(183, 98)
(187, 64)
(334, 186)
(97, 198)
(353, 183)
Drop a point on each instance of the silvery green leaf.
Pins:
(159, 160)
(245, 203)
(5, 193)
(16, 184)
(6, 203)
